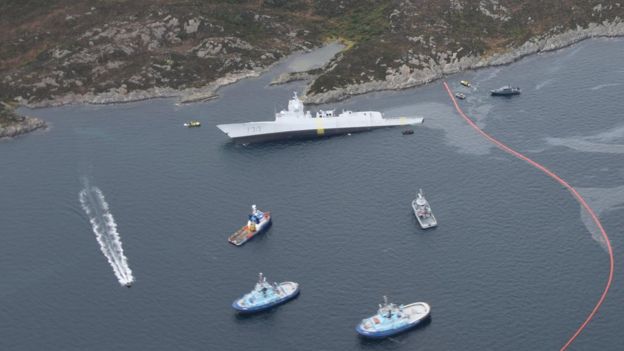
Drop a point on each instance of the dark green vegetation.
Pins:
(8, 116)
(58, 47)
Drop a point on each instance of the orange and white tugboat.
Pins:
(258, 222)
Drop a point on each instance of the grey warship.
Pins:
(298, 123)
(507, 90)
(422, 211)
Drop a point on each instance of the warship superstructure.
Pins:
(296, 123)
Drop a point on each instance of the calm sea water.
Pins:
(512, 266)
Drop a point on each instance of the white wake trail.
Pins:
(105, 229)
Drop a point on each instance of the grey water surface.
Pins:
(513, 265)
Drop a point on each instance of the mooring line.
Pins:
(576, 194)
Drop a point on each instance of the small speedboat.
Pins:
(392, 319)
(192, 124)
(460, 96)
(465, 83)
(265, 296)
(407, 132)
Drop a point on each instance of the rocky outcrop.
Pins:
(294, 76)
(21, 125)
(407, 77)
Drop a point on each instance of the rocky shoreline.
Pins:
(21, 125)
(404, 77)
(121, 95)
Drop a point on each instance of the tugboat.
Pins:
(465, 83)
(422, 211)
(257, 223)
(265, 295)
(408, 132)
(460, 96)
(192, 124)
(392, 319)
(507, 90)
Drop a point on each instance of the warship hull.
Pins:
(254, 132)
(298, 135)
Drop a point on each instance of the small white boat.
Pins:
(192, 124)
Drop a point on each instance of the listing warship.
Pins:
(298, 123)
(392, 319)
(422, 211)
(265, 295)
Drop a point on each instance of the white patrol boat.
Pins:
(296, 122)
(422, 211)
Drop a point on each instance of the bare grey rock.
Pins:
(25, 125)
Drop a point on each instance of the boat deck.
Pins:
(243, 234)
(427, 222)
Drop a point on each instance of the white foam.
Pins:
(543, 84)
(103, 223)
(601, 200)
(600, 86)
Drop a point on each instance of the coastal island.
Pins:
(59, 52)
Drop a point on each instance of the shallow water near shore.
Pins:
(513, 264)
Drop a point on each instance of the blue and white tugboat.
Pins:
(392, 319)
(258, 222)
(265, 295)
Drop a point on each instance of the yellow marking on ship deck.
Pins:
(319, 126)
(403, 121)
